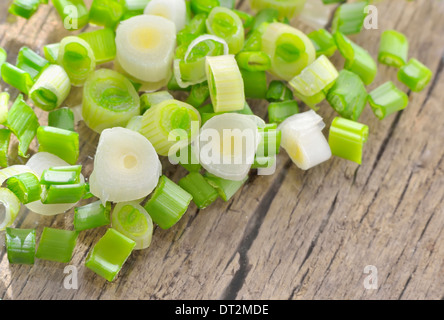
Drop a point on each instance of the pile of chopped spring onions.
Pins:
(218, 57)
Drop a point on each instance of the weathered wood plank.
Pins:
(294, 235)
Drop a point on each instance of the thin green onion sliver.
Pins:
(63, 143)
(92, 216)
(5, 138)
(56, 245)
(270, 142)
(16, 77)
(415, 75)
(30, 62)
(285, 8)
(387, 99)
(26, 187)
(109, 254)
(202, 192)
(168, 203)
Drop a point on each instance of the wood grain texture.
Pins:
(293, 235)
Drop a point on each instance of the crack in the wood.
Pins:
(375, 195)
(407, 283)
(250, 235)
(295, 289)
(433, 84)
(401, 198)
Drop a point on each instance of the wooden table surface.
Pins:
(292, 235)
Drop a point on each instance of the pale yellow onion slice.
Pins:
(195, 42)
(173, 10)
(126, 166)
(145, 47)
(38, 163)
(221, 153)
(303, 140)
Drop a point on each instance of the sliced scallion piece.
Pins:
(4, 101)
(5, 138)
(51, 88)
(170, 123)
(109, 100)
(225, 188)
(23, 123)
(253, 60)
(9, 208)
(289, 49)
(77, 58)
(25, 186)
(196, 185)
(303, 140)
(357, 59)
(72, 19)
(109, 254)
(56, 245)
(347, 139)
(285, 8)
(203, 6)
(278, 92)
(24, 8)
(349, 17)
(415, 75)
(126, 166)
(198, 95)
(51, 52)
(149, 99)
(173, 10)
(63, 143)
(61, 175)
(192, 30)
(31, 62)
(387, 99)
(106, 13)
(279, 111)
(323, 42)
(224, 23)
(65, 193)
(348, 96)
(393, 49)
(168, 203)
(255, 84)
(102, 43)
(92, 216)
(20, 245)
(132, 220)
(225, 83)
(16, 77)
(62, 118)
(145, 47)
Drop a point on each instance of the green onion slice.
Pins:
(92, 216)
(387, 99)
(9, 208)
(20, 245)
(56, 245)
(25, 186)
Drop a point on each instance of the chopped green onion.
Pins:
(23, 123)
(349, 17)
(278, 92)
(394, 49)
(64, 193)
(167, 118)
(126, 166)
(61, 175)
(133, 8)
(188, 159)
(203, 6)
(106, 13)
(92, 216)
(225, 188)
(255, 84)
(194, 29)
(16, 77)
(147, 100)
(3, 57)
(9, 207)
(279, 111)
(225, 83)
(173, 10)
(72, 19)
(387, 99)
(348, 95)
(56, 245)
(253, 60)
(285, 8)
(62, 118)
(102, 43)
(323, 42)
(25, 186)
(263, 18)
(202, 192)
(109, 100)
(51, 88)
(247, 19)
(303, 140)
(347, 138)
(357, 59)
(109, 254)
(290, 50)
(4, 101)
(12, 171)
(51, 52)
(5, 137)
(253, 42)
(415, 75)
(168, 203)
(198, 95)
(77, 58)
(20, 245)
(132, 220)
(63, 143)
(24, 8)
(270, 142)
(31, 62)
(264, 162)
(314, 80)
(224, 23)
